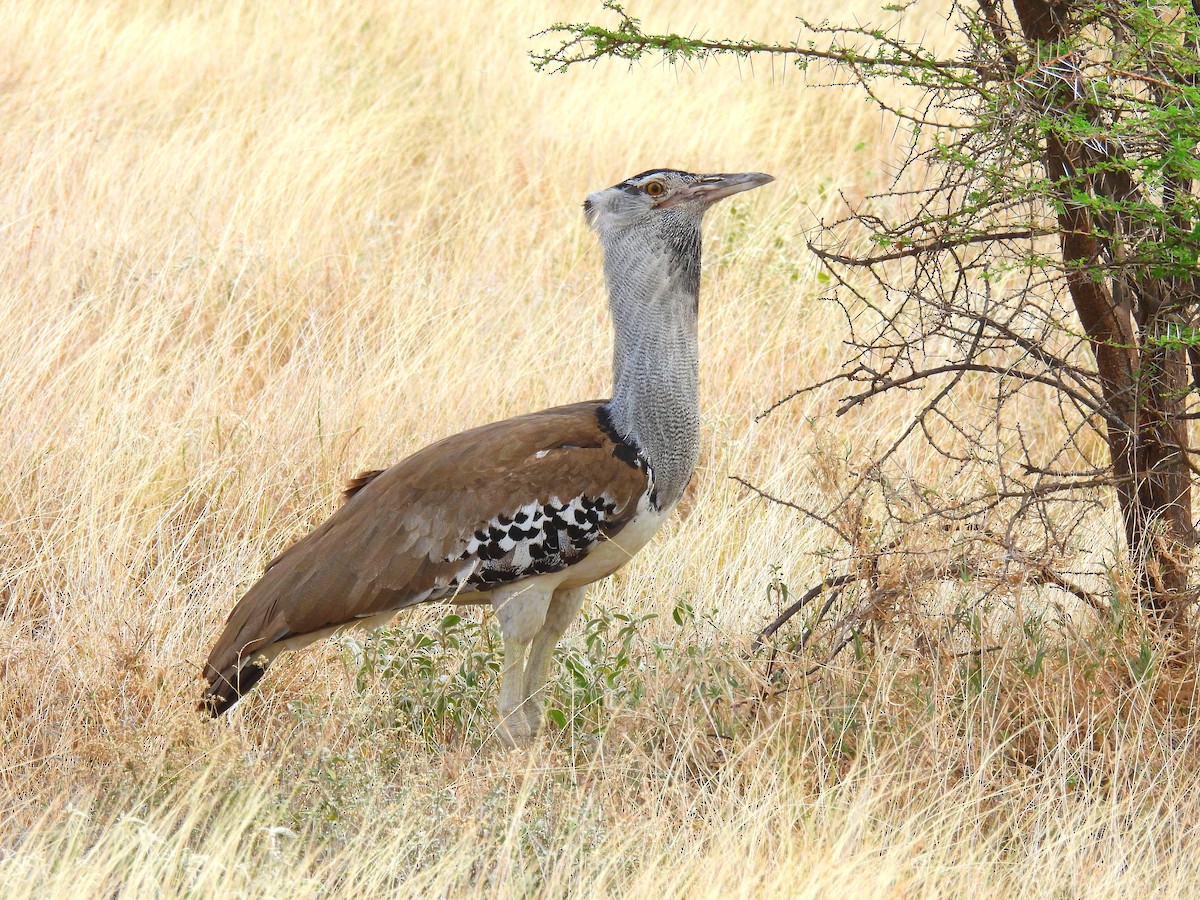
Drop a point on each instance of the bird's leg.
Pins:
(521, 612)
(564, 607)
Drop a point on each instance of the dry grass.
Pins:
(249, 248)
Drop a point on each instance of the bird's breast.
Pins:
(610, 554)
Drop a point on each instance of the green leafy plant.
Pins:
(440, 679)
(600, 671)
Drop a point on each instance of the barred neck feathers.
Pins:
(653, 276)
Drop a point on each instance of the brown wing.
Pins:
(490, 505)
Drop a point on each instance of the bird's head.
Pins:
(665, 197)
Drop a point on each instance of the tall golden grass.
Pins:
(247, 249)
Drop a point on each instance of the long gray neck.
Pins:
(654, 285)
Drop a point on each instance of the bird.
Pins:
(525, 513)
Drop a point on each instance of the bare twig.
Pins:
(833, 581)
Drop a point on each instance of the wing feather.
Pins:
(412, 532)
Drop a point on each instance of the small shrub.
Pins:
(439, 682)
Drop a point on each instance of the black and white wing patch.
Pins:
(536, 539)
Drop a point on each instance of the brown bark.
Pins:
(1144, 378)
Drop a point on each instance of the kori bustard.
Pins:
(521, 514)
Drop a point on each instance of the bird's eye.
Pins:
(655, 189)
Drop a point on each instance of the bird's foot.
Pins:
(515, 732)
(534, 717)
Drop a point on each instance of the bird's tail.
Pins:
(225, 688)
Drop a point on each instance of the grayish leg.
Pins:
(564, 607)
(521, 612)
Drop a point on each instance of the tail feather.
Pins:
(308, 591)
(226, 688)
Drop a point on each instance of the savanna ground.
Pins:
(247, 249)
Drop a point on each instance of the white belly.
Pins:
(612, 553)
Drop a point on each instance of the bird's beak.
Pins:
(711, 188)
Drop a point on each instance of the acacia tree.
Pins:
(1042, 233)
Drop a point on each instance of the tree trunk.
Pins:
(1134, 325)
